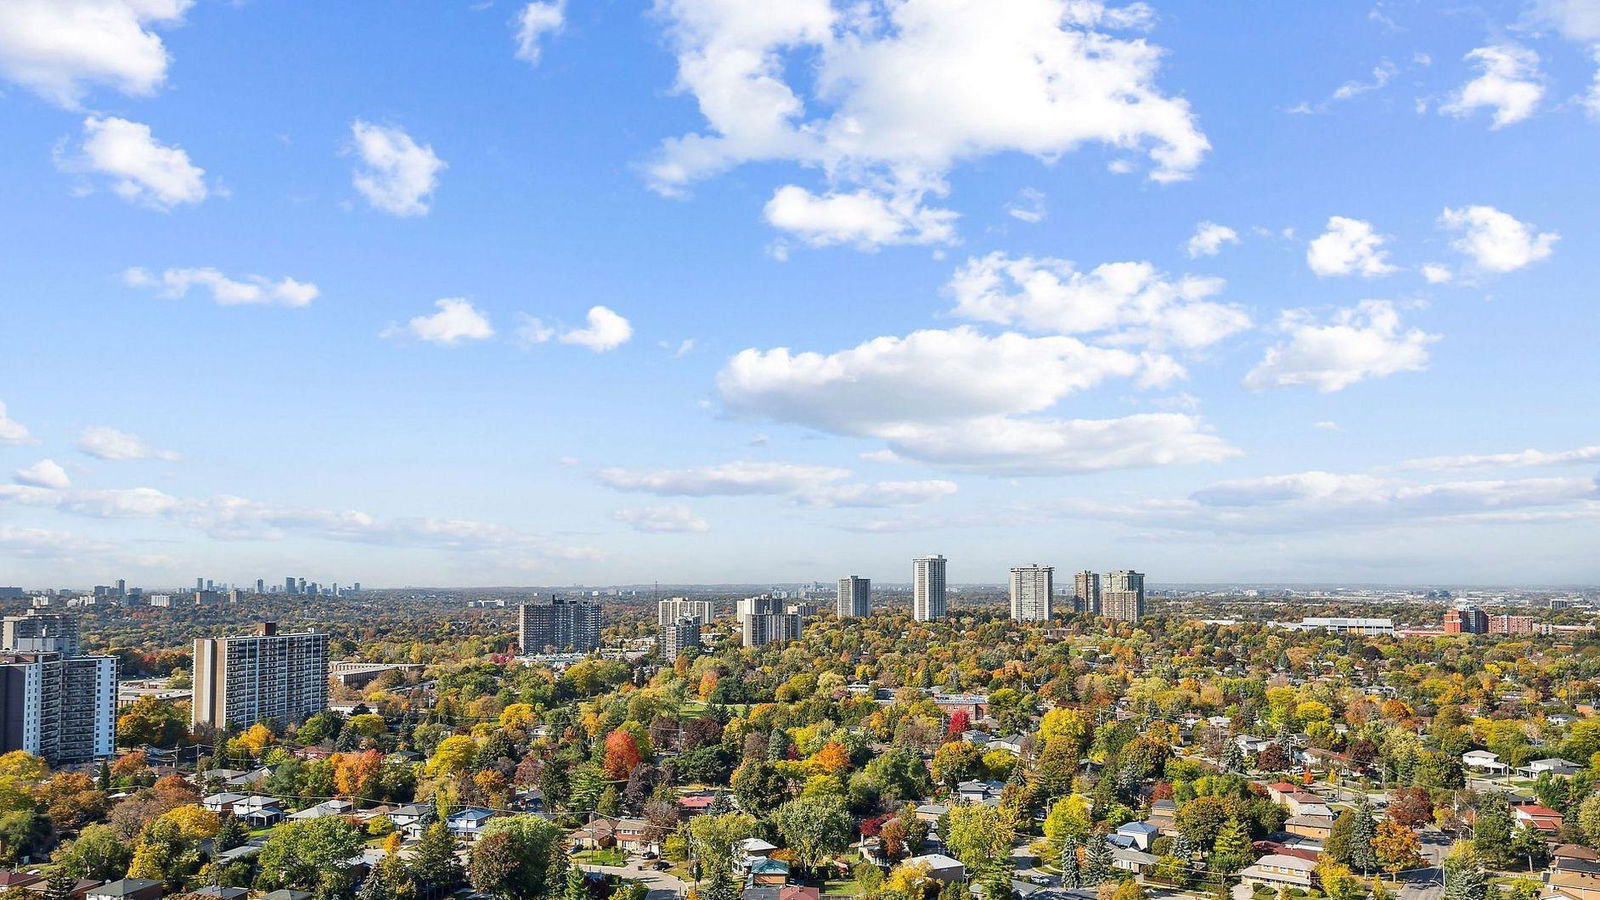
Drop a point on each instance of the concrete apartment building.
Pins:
(245, 679)
(1123, 598)
(55, 702)
(1086, 592)
(559, 623)
(1032, 588)
(679, 636)
(928, 598)
(1466, 620)
(670, 611)
(855, 597)
(763, 620)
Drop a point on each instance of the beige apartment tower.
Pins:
(1124, 596)
(1031, 590)
(1086, 592)
(245, 679)
(928, 588)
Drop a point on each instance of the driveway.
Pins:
(662, 885)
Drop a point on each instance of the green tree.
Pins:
(976, 834)
(308, 855)
(98, 853)
(813, 828)
(522, 857)
(1463, 876)
(1097, 861)
(1232, 850)
(1492, 832)
(1070, 875)
(433, 862)
(1350, 840)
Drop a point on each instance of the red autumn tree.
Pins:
(622, 754)
(959, 723)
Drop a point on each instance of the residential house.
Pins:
(1554, 765)
(219, 892)
(78, 891)
(1543, 818)
(980, 791)
(768, 871)
(222, 804)
(1484, 761)
(600, 832)
(1129, 859)
(1139, 834)
(749, 850)
(1278, 790)
(1280, 871)
(633, 836)
(286, 895)
(412, 819)
(258, 811)
(941, 867)
(467, 824)
(1251, 744)
(16, 878)
(1314, 827)
(126, 889)
(323, 810)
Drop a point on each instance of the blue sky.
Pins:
(511, 293)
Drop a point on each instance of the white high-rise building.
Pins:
(762, 620)
(670, 611)
(1031, 590)
(54, 702)
(1086, 592)
(855, 597)
(676, 637)
(927, 588)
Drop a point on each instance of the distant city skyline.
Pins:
(602, 301)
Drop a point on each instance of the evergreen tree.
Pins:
(434, 864)
(1097, 864)
(59, 886)
(1232, 757)
(1463, 877)
(1493, 830)
(995, 883)
(1363, 853)
(1070, 877)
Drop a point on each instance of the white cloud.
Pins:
(398, 175)
(862, 218)
(1359, 342)
(880, 495)
(60, 47)
(46, 473)
(534, 22)
(1349, 246)
(109, 443)
(1523, 459)
(225, 291)
(900, 93)
(1509, 83)
(1208, 239)
(1591, 101)
(457, 320)
(1437, 273)
(1315, 501)
(1128, 302)
(140, 169)
(12, 432)
(1326, 426)
(1028, 207)
(1495, 240)
(532, 332)
(671, 519)
(1577, 20)
(740, 478)
(606, 331)
(955, 398)
(1381, 74)
(685, 347)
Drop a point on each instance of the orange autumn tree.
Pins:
(622, 754)
(832, 759)
(354, 774)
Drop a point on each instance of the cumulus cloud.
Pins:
(101, 442)
(12, 432)
(1577, 20)
(671, 519)
(741, 478)
(1509, 83)
(1126, 302)
(1437, 273)
(606, 331)
(46, 473)
(58, 48)
(1208, 239)
(862, 218)
(958, 399)
(536, 20)
(1496, 241)
(1349, 246)
(900, 93)
(397, 175)
(139, 168)
(1357, 343)
(1522, 459)
(457, 320)
(225, 291)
